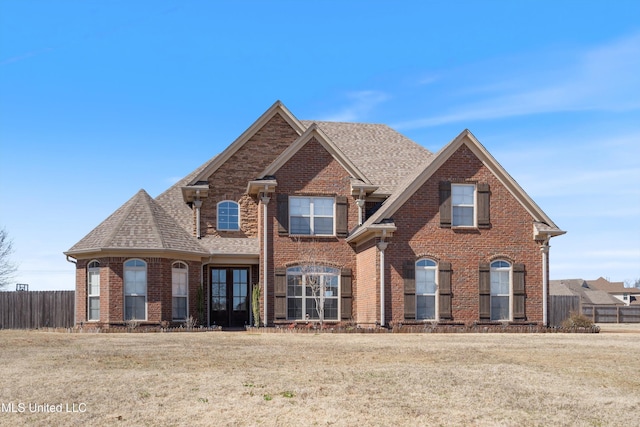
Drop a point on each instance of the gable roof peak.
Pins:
(277, 108)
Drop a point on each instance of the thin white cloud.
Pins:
(603, 78)
(361, 103)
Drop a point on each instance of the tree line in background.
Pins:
(7, 267)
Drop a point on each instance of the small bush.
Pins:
(577, 320)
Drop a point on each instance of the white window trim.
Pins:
(312, 216)
(218, 216)
(474, 206)
(510, 294)
(146, 287)
(304, 297)
(91, 296)
(184, 270)
(437, 293)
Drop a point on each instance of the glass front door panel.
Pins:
(229, 296)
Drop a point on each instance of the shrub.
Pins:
(577, 320)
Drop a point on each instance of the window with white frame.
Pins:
(179, 283)
(426, 289)
(500, 290)
(228, 216)
(310, 287)
(135, 290)
(463, 200)
(312, 216)
(93, 291)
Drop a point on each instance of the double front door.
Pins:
(230, 296)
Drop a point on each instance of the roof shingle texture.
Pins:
(141, 223)
(385, 156)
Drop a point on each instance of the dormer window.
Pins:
(228, 216)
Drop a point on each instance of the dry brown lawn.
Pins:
(226, 378)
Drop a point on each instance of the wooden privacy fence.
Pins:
(38, 309)
(561, 307)
(612, 313)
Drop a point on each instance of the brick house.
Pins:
(352, 218)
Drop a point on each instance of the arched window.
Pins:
(180, 286)
(228, 216)
(312, 292)
(135, 290)
(500, 290)
(426, 290)
(93, 291)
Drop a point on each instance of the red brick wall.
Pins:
(81, 291)
(311, 171)
(159, 289)
(419, 234)
(367, 294)
(230, 181)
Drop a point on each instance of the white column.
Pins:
(198, 205)
(360, 203)
(382, 246)
(265, 232)
(545, 280)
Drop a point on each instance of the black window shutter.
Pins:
(484, 211)
(485, 291)
(280, 292)
(445, 204)
(283, 214)
(342, 208)
(444, 290)
(346, 296)
(518, 292)
(409, 290)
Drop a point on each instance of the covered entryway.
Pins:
(230, 296)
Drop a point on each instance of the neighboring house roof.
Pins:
(557, 288)
(140, 224)
(612, 287)
(581, 288)
(412, 182)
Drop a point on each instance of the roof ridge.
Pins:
(154, 220)
(128, 205)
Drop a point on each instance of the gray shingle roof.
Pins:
(141, 223)
(233, 245)
(581, 288)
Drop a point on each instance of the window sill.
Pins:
(465, 229)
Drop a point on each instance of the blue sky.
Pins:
(101, 98)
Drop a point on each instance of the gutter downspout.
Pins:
(382, 245)
(545, 279)
(75, 303)
(265, 201)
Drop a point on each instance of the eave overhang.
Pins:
(381, 230)
(542, 231)
(261, 186)
(115, 251)
(192, 193)
(360, 188)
